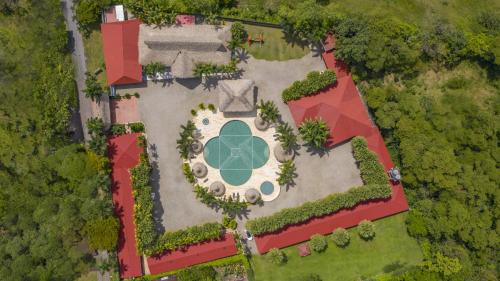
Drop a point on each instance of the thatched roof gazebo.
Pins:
(236, 95)
(181, 47)
(200, 170)
(252, 195)
(217, 188)
(197, 146)
(281, 154)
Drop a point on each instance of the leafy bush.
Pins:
(95, 128)
(118, 129)
(314, 82)
(211, 107)
(372, 171)
(341, 237)
(153, 68)
(184, 237)
(276, 256)
(229, 222)
(287, 173)
(366, 229)
(325, 206)
(238, 32)
(314, 132)
(198, 273)
(102, 233)
(145, 231)
(318, 243)
(136, 127)
(88, 14)
(201, 106)
(207, 69)
(194, 112)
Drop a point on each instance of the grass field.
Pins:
(94, 55)
(462, 13)
(392, 249)
(275, 46)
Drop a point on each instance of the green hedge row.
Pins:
(145, 232)
(330, 204)
(314, 82)
(184, 237)
(372, 171)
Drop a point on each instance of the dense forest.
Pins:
(49, 187)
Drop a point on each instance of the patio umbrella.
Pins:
(282, 155)
(252, 195)
(200, 170)
(260, 124)
(217, 188)
(197, 146)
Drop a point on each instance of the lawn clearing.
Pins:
(275, 46)
(391, 249)
(94, 55)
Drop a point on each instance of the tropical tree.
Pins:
(269, 112)
(276, 256)
(286, 136)
(366, 229)
(238, 32)
(93, 90)
(153, 68)
(287, 173)
(186, 139)
(102, 233)
(88, 14)
(314, 132)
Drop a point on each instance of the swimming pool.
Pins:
(235, 152)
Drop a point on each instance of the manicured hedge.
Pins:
(145, 231)
(184, 237)
(372, 171)
(314, 82)
(330, 204)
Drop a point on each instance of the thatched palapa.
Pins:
(236, 95)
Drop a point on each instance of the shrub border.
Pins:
(314, 82)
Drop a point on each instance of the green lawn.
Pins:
(391, 250)
(275, 46)
(94, 55)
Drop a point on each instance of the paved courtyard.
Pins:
(164, 107)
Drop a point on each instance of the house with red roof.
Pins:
(121, 52)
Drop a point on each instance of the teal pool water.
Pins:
(266, 188)
(235, 152)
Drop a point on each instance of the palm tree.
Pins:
(315, 132)
(268, 111)
(287, 173)
(286, 136)
(186, 139)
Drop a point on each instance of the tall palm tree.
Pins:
(286, 136)
(315, 132)
(269, 112)
(287, 173)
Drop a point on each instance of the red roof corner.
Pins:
(121, 52)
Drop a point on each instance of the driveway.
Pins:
(163, 108)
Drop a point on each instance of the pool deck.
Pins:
(268, 172)
(164, 107)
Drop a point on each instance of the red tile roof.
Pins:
(121, 52)
(124, 154)
(342, 108)
(194, 254)
(185, 19)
